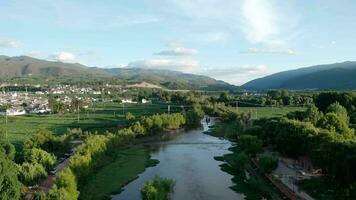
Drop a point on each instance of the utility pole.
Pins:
(78, 110)
(123, 108)
(237, 106)
(6, 124)
(169, 109)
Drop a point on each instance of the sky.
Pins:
(230, 40)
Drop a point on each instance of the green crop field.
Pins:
(266, 112)
(99, 117)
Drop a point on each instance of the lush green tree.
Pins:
(137, 128)
(8, 149)
(240, 161)
(267, 163)
(10, 187)
(49, 142)
(250, 144)
(194, 115)
(65, 186)
(336, 123)
(40, 156)
(158, 189)
(31, 173)
(130, 118)
(313, 115)
(338, 110)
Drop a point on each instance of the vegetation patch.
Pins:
(110, 179)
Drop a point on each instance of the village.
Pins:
(19, 100)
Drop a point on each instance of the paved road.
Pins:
(289, 176)
(47, 184)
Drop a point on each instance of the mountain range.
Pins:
(28, 67)
(337, 76)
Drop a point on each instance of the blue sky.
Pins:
(231, 40)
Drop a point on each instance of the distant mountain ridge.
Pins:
(24, 66)
(336, 76)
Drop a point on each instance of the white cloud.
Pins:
(120, 65)
(184, 65)
(10, 44)
(178, 51)
(237, 75)
(267, 22)
(260, 20)
(270, 51)
(65, 57)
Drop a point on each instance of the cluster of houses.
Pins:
(20, 103)
(66, 89)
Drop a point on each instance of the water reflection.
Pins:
(188, 158)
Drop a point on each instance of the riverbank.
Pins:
(250, 181)
(124, 166)
(188, 159)
(121, 167)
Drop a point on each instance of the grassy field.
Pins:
(100, 117)
(262, 112)
(125, 167)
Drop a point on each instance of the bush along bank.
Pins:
(88, 155)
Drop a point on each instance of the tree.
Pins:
(40, 156)
(335, 123)
(250, 144)
(267, 163)
(137, 128)
(10, 187)
(338, 110)
(130, 117)
(312, 114)
(31, 174)
(157, 189)
(194, 115)
(240, 161)
(8, 149)
(65, 186)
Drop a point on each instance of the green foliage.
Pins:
(157, 189)
(10, 187)
(250, 144)
(240, 161)
(137, 128)
(267, 163)
(87, 153)
(345, 99)
(65, 187)
(336, 123)
(8, 149)
(194, 115)
(156, 123)
(130, 117)
(49, 142)
(40, 156)
(31, 173)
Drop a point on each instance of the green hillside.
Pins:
(28, 69)
(322, 77)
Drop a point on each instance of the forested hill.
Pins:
(338, 76)
(32, 68)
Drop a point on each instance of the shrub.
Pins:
(157, 189)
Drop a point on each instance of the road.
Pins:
(288, 175)
(47, 184)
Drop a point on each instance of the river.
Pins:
(188, 159)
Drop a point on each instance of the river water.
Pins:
(188, 159)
